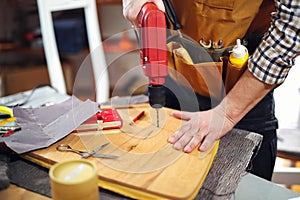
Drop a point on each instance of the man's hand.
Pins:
(207, 126)
(131, 8)
(201, 128)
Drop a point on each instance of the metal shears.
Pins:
(85, 154)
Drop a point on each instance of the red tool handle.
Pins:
(152, 31)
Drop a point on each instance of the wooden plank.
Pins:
(16, 193)
(147, 164)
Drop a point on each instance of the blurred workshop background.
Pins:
(22, 59)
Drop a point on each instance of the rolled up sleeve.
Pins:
(276, 54)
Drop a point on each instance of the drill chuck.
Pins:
(157, 97)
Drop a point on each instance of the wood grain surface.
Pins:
(147, 166)
(17, 193)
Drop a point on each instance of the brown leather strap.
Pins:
(223, 19)
(262, 20)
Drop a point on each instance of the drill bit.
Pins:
(157, 117)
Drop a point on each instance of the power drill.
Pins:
(153, 52)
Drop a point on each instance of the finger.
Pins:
(194, 142)
(207, 142)
(182, 115)
(179, 133)
(159, 4)
(182, 141)
(187, 136)
(131, 9)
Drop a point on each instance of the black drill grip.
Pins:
(157, 97)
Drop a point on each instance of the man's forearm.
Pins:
(247, 92)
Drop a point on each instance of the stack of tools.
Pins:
(8, 124)
(107, 119)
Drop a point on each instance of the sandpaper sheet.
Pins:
(43, 126)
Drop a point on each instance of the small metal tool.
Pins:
(206, 45)
(157, 117)
(217, 45)
(85, 154)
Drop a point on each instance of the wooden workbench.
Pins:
(17, 193)
(147, 166)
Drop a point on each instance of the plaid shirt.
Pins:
(276, 54)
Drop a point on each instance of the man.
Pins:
(249, 104)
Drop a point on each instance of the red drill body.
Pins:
(153, 51)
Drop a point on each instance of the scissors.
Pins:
(85, 154)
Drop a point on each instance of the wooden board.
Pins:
(18, 193)
(147, 166)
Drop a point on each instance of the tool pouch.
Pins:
(231, 73)
(209, 78)
(215, 76)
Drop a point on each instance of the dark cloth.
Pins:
(263, 162)
(261, 119)
(25, 174)
(4, 180)
(236, 150)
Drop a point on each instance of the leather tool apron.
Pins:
(215, 20)
(222, 19)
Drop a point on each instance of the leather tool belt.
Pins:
(208, 78)
(209, 72)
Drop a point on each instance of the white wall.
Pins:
(287, 99)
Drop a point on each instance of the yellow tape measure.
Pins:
(6, 110)
(5, 121)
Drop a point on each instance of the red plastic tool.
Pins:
(109, 119)
(105, 119)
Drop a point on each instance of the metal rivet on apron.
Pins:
(205, 44)
(217, 45)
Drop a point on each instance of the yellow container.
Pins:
(74, 180)
(239, 55)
